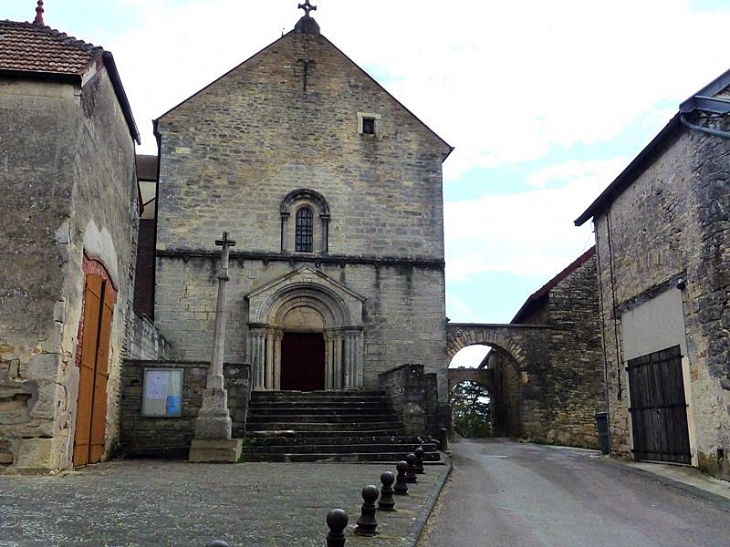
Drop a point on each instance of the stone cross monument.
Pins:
(212, 441)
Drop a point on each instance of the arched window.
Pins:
(308, 229)
(304, 231)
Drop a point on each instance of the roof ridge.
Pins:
(57, 34)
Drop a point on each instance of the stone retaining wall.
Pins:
(171, 436)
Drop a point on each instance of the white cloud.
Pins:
(502, 82)
(527, 233)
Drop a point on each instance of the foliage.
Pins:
(470, 410)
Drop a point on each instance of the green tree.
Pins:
(470, 410)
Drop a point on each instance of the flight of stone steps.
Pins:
(292, 426)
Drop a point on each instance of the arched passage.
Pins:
(499, 375)
(515, 359)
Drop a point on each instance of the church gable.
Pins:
(301, 115)
(300, 63)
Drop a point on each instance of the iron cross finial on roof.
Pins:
(39, 13)
(307, 7)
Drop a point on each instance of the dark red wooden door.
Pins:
(302, 361)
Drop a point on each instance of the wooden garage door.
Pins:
(94, 372)
(658, 407)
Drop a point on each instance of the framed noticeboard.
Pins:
(162, 392)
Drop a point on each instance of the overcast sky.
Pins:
(545, 101)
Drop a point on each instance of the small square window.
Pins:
(366, 123)
(368, 126)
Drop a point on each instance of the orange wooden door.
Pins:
(94, 372)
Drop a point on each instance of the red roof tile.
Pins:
(26, 47)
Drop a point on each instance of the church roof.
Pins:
(37, 51)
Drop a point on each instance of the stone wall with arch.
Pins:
(541, 388)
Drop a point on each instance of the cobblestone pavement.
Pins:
(142, 502)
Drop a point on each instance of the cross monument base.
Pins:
(215, 451)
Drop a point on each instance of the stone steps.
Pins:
(328, 426)
(317, 448)
(390, 457)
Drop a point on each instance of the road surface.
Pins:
(511, 494)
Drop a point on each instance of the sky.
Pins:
(545, 102)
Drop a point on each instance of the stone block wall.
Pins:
(230, 154)
(548, 379)
(403, 314)
(171, 437)
(415, 399)
(670, 225)
(146, 343)
(70, 195)
(576, 358)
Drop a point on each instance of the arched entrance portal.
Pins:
(305, 333)
(499, 374)
(303, 353)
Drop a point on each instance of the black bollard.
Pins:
(419, 461)
(366, 524)
(401, 481)
(337, 522)
(411, 471)
(217, 543)
(386, 501)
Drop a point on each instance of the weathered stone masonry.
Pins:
(546, 370)
(69, 191)
(666, 238)
(232, 156)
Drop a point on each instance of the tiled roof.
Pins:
(550, 285)
(26, 47)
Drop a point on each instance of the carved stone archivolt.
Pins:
(306, 300)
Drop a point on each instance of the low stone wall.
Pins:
(415, 398)
(146, 341)
(171, 436)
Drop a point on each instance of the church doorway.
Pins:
(302, 361)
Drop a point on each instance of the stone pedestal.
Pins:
(213, 421)
(215, 450)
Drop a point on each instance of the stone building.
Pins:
(68, 243)
(552, 395)
(663, 247)
(333, 191)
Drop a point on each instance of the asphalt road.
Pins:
(512, 494)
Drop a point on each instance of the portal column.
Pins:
(337, 361)
(353, 361)
(278, 337)
(269, 382)
(329, 378)
(258, 362)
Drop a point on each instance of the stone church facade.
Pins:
(333, 192)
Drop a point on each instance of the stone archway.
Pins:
(509, 368)
(306, 301)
